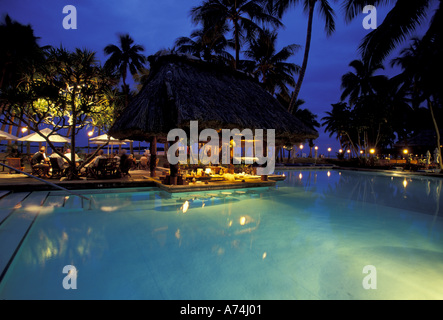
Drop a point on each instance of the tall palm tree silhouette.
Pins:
(243, 15)
(125, 57)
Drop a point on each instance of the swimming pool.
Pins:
(324, 234)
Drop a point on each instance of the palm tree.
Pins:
(369, 102)
(305, 115)
(207, 43)
(281, 6)
(338, 123)
(420, 63)
(125, 57)
(401, 21)
(371, 120)
(243, 17)
(19, 55)
(404, 118)
(18, 52)
(269, 65)
(309, 118)
(361, 83)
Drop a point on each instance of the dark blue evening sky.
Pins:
(156, 24)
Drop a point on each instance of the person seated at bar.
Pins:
(68, 154)
(127, 165)
(144, 162)
(88, 169)
(39, 161)
(123, 157)
(14, 153)
(94, 162)
(40, 156)
(131, 161)
(117, 157)
(62, 163)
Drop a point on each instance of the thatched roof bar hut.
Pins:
(181, 89)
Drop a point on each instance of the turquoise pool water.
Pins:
(310, 237)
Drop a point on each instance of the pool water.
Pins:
(313, 236)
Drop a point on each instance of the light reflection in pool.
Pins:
(308, 238)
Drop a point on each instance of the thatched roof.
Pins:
(181, 89)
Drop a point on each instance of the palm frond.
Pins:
(327, 13)
(353, 8)
(400, 22)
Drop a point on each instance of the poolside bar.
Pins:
(182, 90)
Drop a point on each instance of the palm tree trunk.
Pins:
(3, 77)
(73, 173)
(237, 44)
(153, 163)
(359, 139)
(305, 58)
(352, 143)
(366, 146)
(437, 131)
(378, 137)
(237, 38)
(125, 90)
(12, 123)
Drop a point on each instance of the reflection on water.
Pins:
(419, 194)
(413, 193)
(307, 238)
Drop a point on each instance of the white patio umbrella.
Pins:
(54, 138)
(104, 138)
(7, 136)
